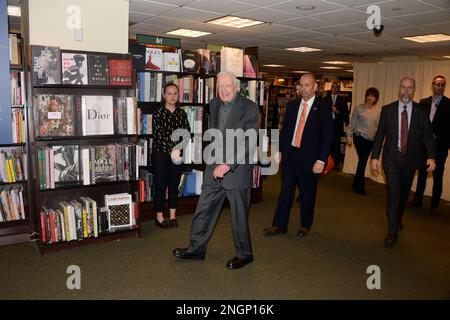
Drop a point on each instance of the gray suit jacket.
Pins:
(244, 115)
(421, 144)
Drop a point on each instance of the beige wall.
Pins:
(104, 24)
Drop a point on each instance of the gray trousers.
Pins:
(208, 211)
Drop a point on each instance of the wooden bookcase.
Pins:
(50, 198)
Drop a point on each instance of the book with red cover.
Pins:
(120, 73)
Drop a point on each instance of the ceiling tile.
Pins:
(406, 7)
(153, 8)
(224, 6)
(348, 15)
(439, 27)
(339, 29)
(259, 3)
(426, 18)
(445, 4)
(320, 7)
(304, 23)
(135, 17)
(192, 14)
(268, 15)
(355, 3)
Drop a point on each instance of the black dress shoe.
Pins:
(237, 263)
(434, 211)
(274, 230)
(184, 253)
(302, 232)
(173, 223)
(390, 241)
(163, 225)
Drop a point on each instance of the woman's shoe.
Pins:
(173, 223)
(163, 225)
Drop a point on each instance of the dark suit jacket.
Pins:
(244, 115)
(342, 117)
(317, 134)
(441, 121)
(421, 144)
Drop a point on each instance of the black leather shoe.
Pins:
(274, 230)
(390, 241)
(163, 225)
(237, 263)
(184, 253)
(173, 223)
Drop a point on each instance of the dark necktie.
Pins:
(404, 131)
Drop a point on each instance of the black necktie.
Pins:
(404, 131)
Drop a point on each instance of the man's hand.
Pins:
(375, 164)
(349, 141)
(431, 164)
(175, 155)
(335, 110)
(318, 167)
(277, 157)
(220, 171)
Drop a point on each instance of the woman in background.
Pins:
(168, 118)
(361, 132)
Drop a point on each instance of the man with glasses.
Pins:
(438, 109)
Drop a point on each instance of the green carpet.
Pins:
(330, 263)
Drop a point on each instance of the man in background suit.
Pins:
(438, 109)
(340, 116)
(231, 179)
(305, 142)
(409, 145)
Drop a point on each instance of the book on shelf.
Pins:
(46, 65)
(138, 56)
(12, 204)
(74, 68)
(120, 72)
(103, 163)
(214, 62)
(205, 60)
(19, 126)
(66, 164)
(54, 114)
(250, 66)
(191, 61)
(171, 61)
(154, 59)
(120, 208)
(18, 88)
(98, 69)
(125, 115)
(97, 115)
(14, 51)
(13, 165)
(231, 59)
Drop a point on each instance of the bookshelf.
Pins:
(15, 220)
(84, 148)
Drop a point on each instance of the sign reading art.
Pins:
(161, 41)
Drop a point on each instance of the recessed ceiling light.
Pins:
(300, 71)
(337, 62)
(303, 49)
(305, 7)
(429, 38)
(349, 70)
(273, 65)
(14, 11)
(447, 57)
(235, 22)
(188, 33)
(330, 68)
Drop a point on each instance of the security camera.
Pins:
(378, 30)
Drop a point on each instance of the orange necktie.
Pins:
(300, 126)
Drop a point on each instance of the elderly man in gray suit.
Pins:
(230, 178)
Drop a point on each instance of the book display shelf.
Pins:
(84, 147)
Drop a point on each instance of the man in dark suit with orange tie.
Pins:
(438, 109)
(305, 142)
(409, 144)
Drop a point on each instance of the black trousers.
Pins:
(291, 175)
(363, 148)
(336, 150)
(399, 180)
(438, 174)
(167, 177)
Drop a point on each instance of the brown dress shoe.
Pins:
(274, 230)
(302, 232)
(434, 211)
